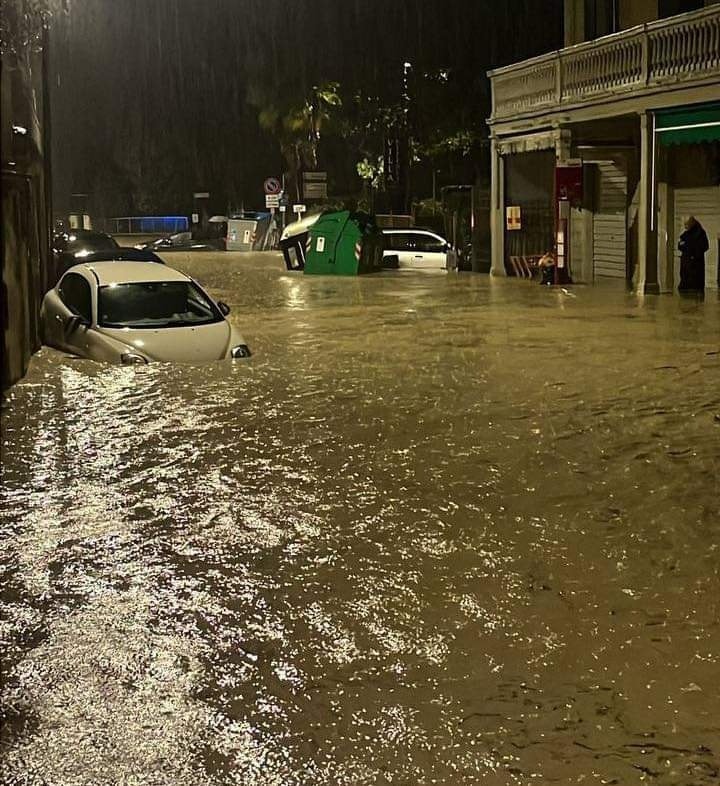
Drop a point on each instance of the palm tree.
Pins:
(298, 126)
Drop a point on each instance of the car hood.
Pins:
(188, 344)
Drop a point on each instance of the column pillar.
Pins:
(563, 144)
(666, 234)
(497, 211)
(646, 279)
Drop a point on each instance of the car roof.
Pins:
(122, 254)
(127, 272)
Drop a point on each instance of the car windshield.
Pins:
(155, 304)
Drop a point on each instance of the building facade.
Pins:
(600, 150)
(27, 270)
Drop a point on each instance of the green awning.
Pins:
(688, 125)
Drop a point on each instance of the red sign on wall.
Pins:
(513, 220)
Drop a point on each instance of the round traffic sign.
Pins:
(272, 186)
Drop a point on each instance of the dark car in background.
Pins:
(72, 247)
(180, 241)
(123, 254)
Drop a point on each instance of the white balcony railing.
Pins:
(681, 48)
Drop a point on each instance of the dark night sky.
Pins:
(153, 99)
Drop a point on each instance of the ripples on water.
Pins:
(438, 530)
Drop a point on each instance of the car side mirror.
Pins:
(74, 321)
(224, 308)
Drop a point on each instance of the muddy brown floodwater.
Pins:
(438, 530)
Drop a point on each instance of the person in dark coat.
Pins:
(693, 245)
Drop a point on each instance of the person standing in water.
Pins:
(693, 245)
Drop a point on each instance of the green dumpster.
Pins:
(344, 244)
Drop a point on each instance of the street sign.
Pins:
(283, 208)
(315, 190)
(272, 185)
(196, 218)
(201, 195)
(299, 208)
(315, 177)
(272, 200)
(315, 185)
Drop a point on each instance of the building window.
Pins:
(674, 7)
(601, 18)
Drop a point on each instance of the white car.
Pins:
(418, 248)
(136, 313)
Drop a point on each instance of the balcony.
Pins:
(644, 60)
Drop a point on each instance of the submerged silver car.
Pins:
(136, 313)
(417, 249)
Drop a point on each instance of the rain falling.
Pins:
(361, 410)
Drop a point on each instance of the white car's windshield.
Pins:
(155, 304)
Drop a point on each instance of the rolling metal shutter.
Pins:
(610, 221)
(704, 204)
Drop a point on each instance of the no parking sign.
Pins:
(272, 186)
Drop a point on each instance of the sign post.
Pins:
(273, 190)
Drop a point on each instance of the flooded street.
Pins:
(438, 530)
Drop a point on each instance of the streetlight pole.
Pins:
(406, 162)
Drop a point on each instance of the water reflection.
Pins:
(437, 530)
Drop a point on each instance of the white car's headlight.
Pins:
(132, 359)
(240, 351)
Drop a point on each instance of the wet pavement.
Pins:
(438, 530)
